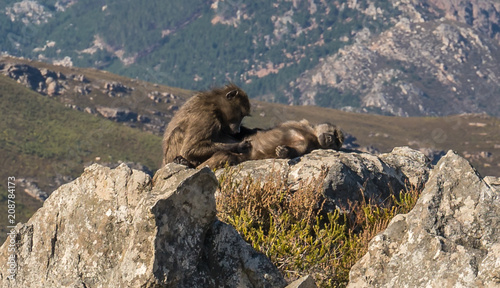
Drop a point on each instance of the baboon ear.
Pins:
(231, 94)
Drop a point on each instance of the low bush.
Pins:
(290, 227)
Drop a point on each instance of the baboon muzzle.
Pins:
(235, 128)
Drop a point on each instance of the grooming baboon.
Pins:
(208, 123)
(293, 139)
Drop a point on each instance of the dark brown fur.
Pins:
(293, 139)
(207, 124)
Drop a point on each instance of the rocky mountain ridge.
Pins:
(435, 60)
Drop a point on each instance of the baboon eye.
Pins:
(232, 94)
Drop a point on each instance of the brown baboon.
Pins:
(293, 139)
(208, 123)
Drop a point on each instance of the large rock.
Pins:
(304, 282)
(450, 239)
(118, 228)
(117, 114)
(40, 80)
(351, 176)
(27, 75)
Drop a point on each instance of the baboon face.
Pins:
(326, 140)
(235, 127)
(235, 107)
(329, 137)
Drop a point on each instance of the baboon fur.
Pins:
(286, 141)
(293, 139)
(208, 123)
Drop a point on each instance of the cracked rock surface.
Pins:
(118, 228)
(450, 239)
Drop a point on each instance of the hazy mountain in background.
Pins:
(432, 57)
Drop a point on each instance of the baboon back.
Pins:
(205, 124)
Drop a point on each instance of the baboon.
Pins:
(208, 123)
(293, 139)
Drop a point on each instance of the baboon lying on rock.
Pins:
(288, 140)
(208, 124)
(293, 139)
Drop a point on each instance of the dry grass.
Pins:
(291, 229)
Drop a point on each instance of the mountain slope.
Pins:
(423, 65)
(404, 58)
(47, 144)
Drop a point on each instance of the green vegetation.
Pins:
(333, 97)
(41, 139)
(289, 228)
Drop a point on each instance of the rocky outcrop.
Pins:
(404, 67)
(28, 12)
(31, 188)
(164, 97)
(41, 80)
(450, 239)
(24, 74)
(116, 89)
(122, 115)
(437, 58)
(350, 176)
(83, 90)
(118, 228)
(494, 182)
(304, 282)
(117, 114)
(482, 15)
(69, 88)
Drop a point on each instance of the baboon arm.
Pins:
(205, 149)
(221, 158)
(197, 150)
(245, 132)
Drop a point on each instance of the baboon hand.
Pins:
(282, 152)
(181, 160)
(244, 147)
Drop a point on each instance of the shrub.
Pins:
(291, 229)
